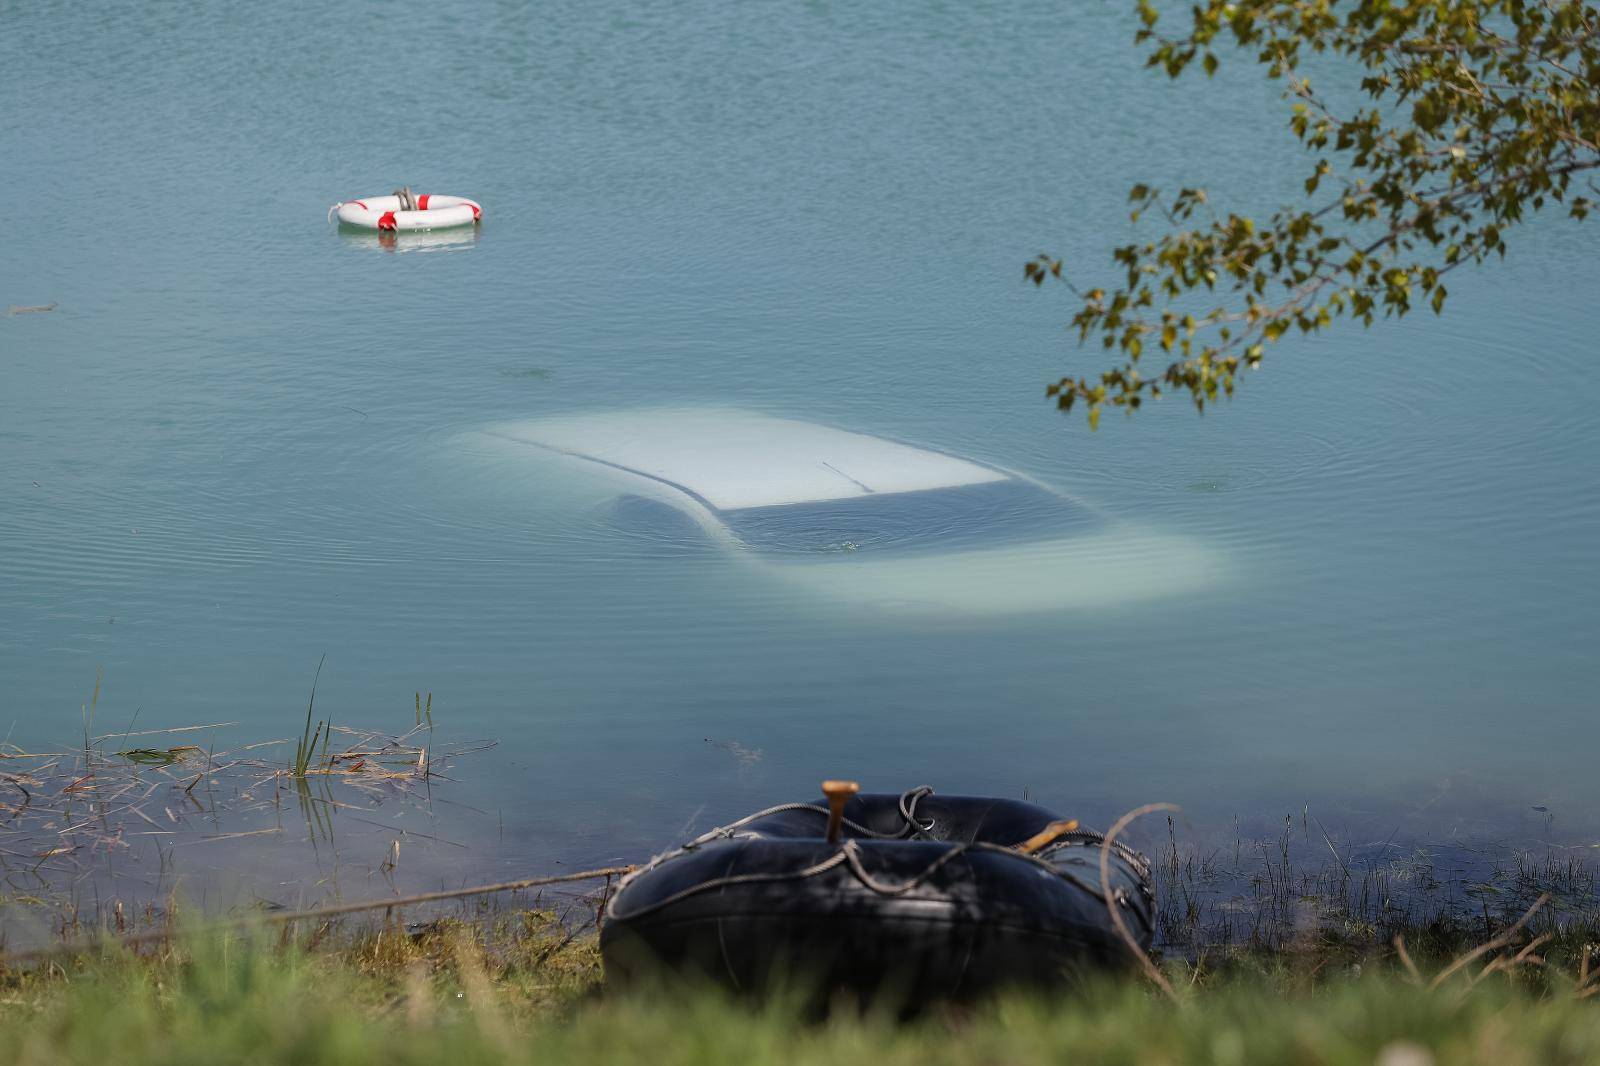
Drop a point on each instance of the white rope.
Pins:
(852, 855)
(722, 882)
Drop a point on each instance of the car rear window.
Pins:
(965, 516)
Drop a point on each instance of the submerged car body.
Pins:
(865, 518)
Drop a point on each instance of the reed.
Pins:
(306, 747)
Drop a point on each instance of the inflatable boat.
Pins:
(917, 896)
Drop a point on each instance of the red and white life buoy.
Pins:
(389, 213)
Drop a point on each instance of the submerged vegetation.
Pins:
(95, 836)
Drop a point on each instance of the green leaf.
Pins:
(1434, 171)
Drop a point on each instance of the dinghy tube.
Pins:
(921, 897)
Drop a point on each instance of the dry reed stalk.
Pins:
(1412, 973)
(1525, 957)
(1584, 988)
(1122, 823)
(473, 970)
(1495, 944)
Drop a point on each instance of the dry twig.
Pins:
(1112, 908)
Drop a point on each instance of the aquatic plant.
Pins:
(307, 745)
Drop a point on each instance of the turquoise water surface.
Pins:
(244, 439)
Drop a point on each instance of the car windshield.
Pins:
(964, 516)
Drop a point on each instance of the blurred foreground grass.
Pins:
(526, 989)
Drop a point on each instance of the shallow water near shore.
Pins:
(243, 439)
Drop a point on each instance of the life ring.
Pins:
(387, 213)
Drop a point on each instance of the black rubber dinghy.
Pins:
(922, 897)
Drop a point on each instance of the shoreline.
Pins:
(262, 828)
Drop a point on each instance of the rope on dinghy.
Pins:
(849, 854)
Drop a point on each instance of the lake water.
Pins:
(244, 439)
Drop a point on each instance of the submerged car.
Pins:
(865, 518)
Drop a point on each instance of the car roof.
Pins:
(733, 459)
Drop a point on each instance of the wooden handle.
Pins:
(1046, 835)
(838, 793)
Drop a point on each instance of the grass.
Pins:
(1270, 894)
(1322, 964)
(488, 984)
(522, 987)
